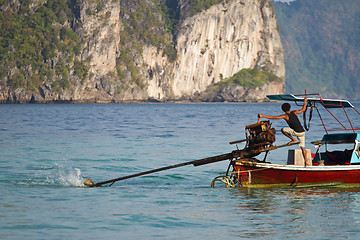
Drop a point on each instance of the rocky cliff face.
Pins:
(223, 40)
(211, 45)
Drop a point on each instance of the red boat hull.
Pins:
(252, 174)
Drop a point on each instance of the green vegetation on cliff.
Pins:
(36, 44)
(250, 78)
(199, 5)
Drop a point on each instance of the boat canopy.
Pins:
(341, 138)
(327, 103)
(338, 138)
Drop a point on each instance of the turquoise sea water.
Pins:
(47, 150)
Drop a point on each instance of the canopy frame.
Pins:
(315, 98)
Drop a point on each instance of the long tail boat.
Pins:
(340, 168)
(324, 168)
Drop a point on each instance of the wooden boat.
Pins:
(327, 168)
(339, 168)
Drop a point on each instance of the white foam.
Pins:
(66, 176)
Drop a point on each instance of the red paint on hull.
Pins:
(267, 175)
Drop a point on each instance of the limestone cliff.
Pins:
(210, 46)
(223, 40)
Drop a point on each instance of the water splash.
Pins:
(65, 176)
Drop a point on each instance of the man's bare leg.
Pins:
(289, 136)
(304, 154)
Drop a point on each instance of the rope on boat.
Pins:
(235, 175)
(311, 106)
(225, 179)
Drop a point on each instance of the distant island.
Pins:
(163, 50)
(125, 51)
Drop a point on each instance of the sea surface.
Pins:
(46, 151)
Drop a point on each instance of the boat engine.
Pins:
(259, 137)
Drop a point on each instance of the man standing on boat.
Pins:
(295, 128)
